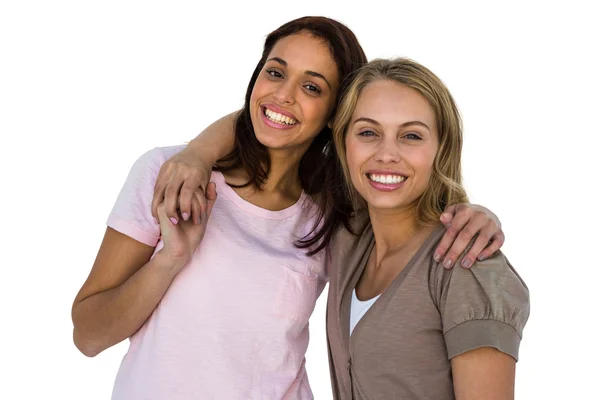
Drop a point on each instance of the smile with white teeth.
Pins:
(279, 118)
(386, 179)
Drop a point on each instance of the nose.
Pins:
(285, 93)
(388, 152)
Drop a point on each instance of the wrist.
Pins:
(203, 153)
(168, 263)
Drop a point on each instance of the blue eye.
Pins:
(412, 136)
(366, 133)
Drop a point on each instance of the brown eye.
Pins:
(312, 88)
(274, 73)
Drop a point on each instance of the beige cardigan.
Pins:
(401, 348)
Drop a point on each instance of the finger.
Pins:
(452, 230)
(484, 237)
(159, 193)
(186, 196)
(448, 214)
(493, 247)
(201, 199)
(196, 210)
(163, 218)
(470, 230)
(482, 241)
(211, 197)
(156, 200)
(171, 200)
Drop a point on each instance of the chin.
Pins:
(269, 141)
(381, 203)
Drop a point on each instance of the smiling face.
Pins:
(391, 144)
(294, 94)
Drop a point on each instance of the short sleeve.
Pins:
(484, 306)
(131, 214)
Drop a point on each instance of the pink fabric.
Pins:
(234, 322)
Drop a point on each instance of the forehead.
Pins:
(390, 101)
(305, 52)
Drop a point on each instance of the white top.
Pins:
(359, 308)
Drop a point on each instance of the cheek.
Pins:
(253, 98)
(259, 89)
(425, 164)
(315, 112)
(354, 160)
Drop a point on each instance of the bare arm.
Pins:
(120, 293)
(483, 374)
(125, 285)
(183, 178)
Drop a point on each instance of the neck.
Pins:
(283, 180)
(394, 229)
(283, 175)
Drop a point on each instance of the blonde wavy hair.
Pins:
(445, 185)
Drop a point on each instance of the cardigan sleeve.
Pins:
(484, 306)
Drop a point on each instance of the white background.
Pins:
(86, 87)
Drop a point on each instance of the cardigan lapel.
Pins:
(354, 266)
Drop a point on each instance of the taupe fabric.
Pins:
(401, 348)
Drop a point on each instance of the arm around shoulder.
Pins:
(217, 140)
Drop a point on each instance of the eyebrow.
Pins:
(307, 72)
(372, 121)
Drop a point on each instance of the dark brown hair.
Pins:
(318, 167)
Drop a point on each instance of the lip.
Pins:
(384, 172)
(272, 124)
(385, 187)
(279, 110)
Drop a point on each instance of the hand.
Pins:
(464, 222)
(180, 185)
(181, 238)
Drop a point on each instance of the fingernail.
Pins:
(465, 263)
(185, 216)
(447, 264)
(155, 220)
(481, 257)
(173, 220)
(198, 221)
(437, 257)
(204, 215)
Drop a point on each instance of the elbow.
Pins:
(83, 337)
(86, 345)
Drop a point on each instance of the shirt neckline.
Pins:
(227, 191)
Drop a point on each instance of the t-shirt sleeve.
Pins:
(485, 306)
(131, 214)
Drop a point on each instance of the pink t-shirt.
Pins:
(234, 322)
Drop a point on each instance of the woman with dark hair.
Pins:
(219, 307)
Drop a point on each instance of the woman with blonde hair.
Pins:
(399, 325)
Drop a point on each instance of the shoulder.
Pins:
(158, 155)
(146, 167)
(488, 303)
